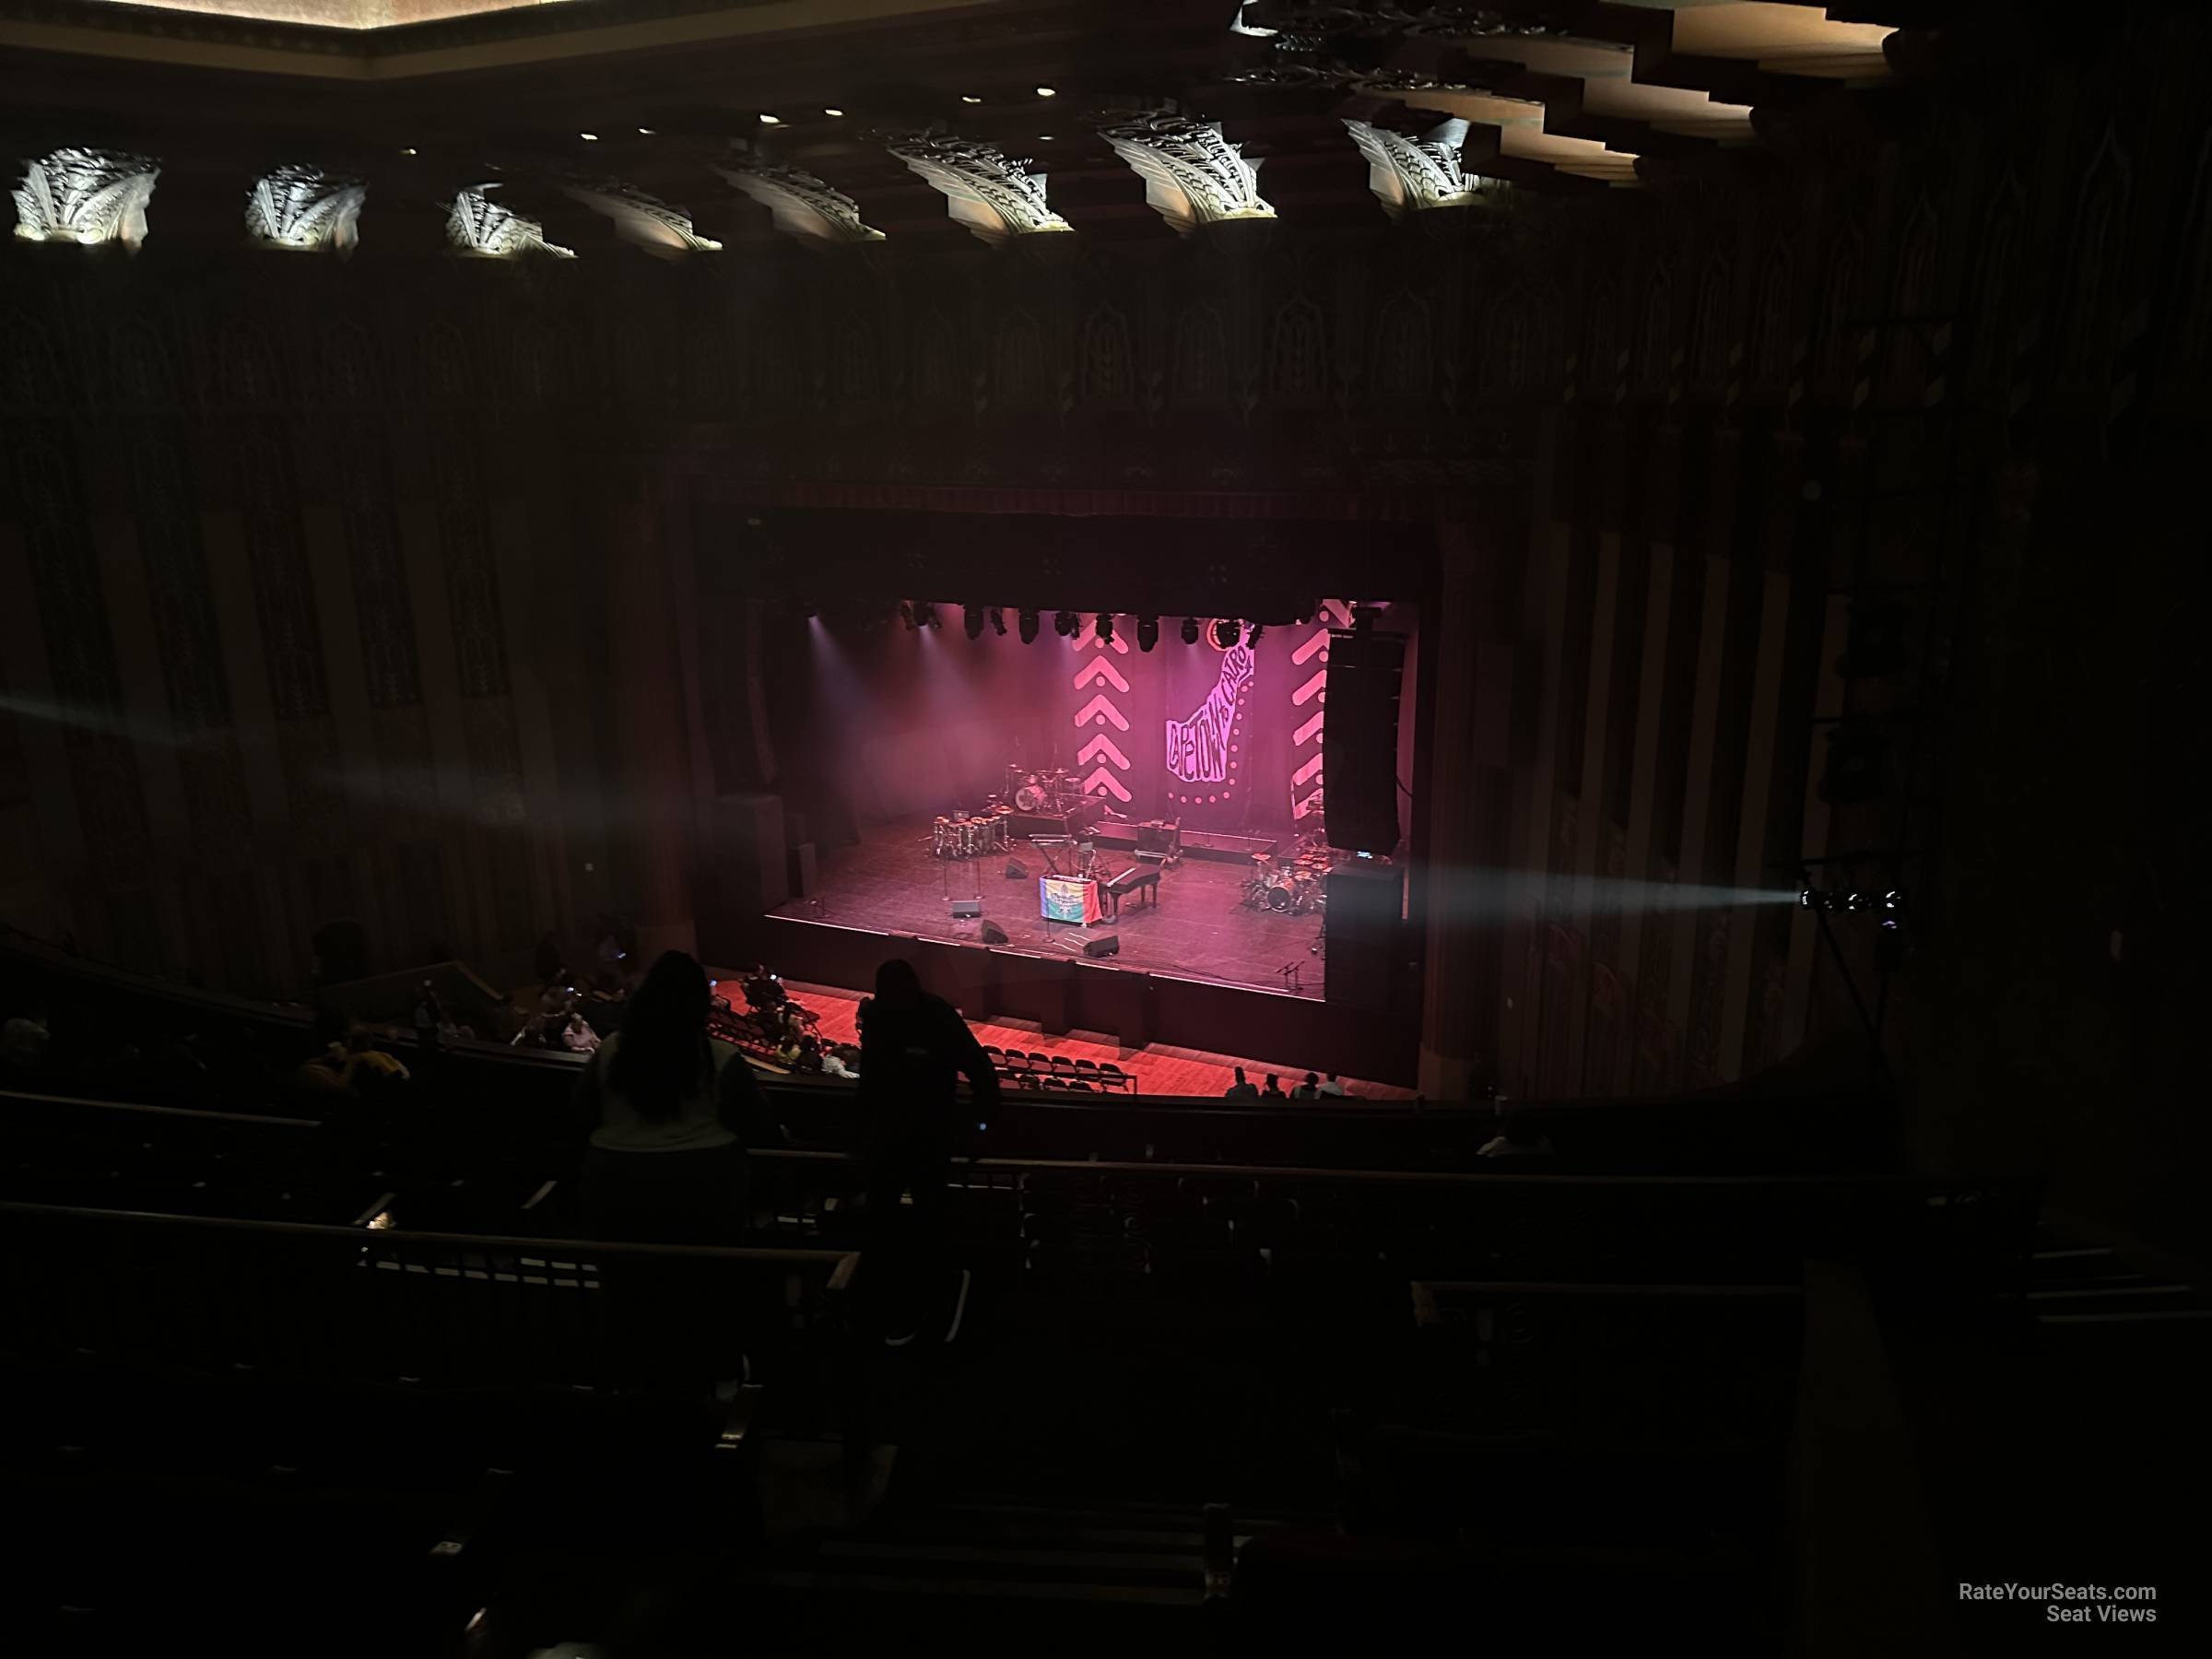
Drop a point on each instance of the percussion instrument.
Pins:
(1287, 891)
(1029, 798)
(961, 836)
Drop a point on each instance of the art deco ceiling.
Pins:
(421, 97)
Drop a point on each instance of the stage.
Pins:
(1197, 971)
(1199, 929)
(884, 722)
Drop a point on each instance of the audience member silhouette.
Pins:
(1241, 1089)
(914, 1047)
(668, 1108)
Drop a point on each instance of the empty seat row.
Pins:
(1035, 1069)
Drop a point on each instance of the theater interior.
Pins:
(1055, 824)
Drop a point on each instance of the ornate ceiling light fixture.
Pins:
(86, 196)
(654, 224)
(490, 230)
(994, 195)
(802, 205)
(1192, 175)
(305, 208)
(1412, 175)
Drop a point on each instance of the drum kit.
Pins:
(1290, 887)
(1050, 791)
(963, 836)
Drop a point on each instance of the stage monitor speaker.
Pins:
(1106, 944)
(1017, 870)
(967, 910)
(993, 934)
(1360, 742)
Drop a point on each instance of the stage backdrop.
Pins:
(1224, 737)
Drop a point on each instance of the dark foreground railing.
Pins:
(438, 1308)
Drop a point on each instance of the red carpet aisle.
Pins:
(1161, 1071)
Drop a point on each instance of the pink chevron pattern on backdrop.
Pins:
(1102, 712)
(1308, 705)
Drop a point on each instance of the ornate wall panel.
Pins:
(1404, 366)
(1200, 380)
(1109, 375)
(176, 579)
(472, 581)
(1298, 354)
(381, 603)
(31, 369)
(284, 591)
(141, 374)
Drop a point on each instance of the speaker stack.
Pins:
(1366, 931)
(1359, 743)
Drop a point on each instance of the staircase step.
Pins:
(979, 1589)
(937, 1528)
(2111, 1292)
(2060, 1280)
(1096, 1514)
(2134, 1316)
(990, 1556)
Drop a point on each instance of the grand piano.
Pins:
(1135, 879)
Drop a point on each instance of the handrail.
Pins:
(762, 1255)
(1535, 1289)
(1483, 1178)
(262, 1119)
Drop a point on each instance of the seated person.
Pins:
(1241, 1089)
(1308, 1090)
(1332, 1086)
(362, 1060)
(841, 1061)
(1274, 1091)
(24, 1039)
(1521, 1139)
(577, 1036)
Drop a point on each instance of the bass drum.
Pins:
(1030, 798)
(1280, 899)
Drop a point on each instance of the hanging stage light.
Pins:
(906, 613)
(1148, 632)
(1226, 631)
(971, 618)
(1106, 625)
(1027, 620)
(998, 622)
(1065, 624)
(927, 614)
(1190, 631)
(1252, 636)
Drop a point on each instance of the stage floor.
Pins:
(1199, 929)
